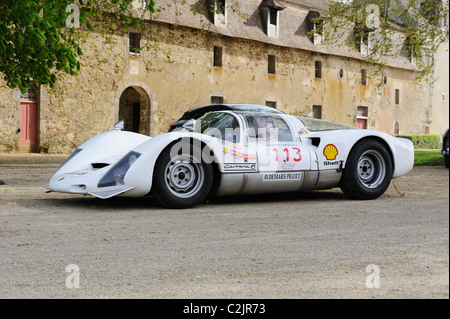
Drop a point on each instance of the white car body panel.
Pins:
(312, 160)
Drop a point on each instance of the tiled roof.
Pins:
(293, 30)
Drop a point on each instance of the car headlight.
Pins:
(116, 174)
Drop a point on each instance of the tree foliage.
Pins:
(38, 38)
(386, 29)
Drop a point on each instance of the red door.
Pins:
(28, 125)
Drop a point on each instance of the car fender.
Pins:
(141, 172)
(82, 170)
(105, 148)
(336, 146)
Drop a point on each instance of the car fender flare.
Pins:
(398, 148)
(141, 172)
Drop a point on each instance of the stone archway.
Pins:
(134, 108)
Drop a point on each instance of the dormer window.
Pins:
(315, 27)
(362, 40)
(365, 44)
(411, 50)
(218, 10)
(273, 17)
(270, 14)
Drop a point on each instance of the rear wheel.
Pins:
(181, 178)
(368, 171)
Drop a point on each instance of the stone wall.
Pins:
(83, 106)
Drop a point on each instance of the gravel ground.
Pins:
(309, 245)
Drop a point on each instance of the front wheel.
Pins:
(368, 171)
(182, 179)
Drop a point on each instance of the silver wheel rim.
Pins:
(371, 169)
(183, 178)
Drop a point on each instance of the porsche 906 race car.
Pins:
(229, 153)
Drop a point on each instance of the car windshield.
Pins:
(219, 125)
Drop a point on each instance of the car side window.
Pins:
(219, 125)
(268, 128)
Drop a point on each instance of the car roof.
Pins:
(233, 107)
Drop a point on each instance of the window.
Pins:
(268, 127)
(272, 27)
(271, 104)
(220, 6)
(217, 60)
(219, 125)
(271, 61)
(365, 44)
(362, 39)
(397, 97)
(340, 74)
(270, 13)
(134, 45)
(219, 12)
(362, 116)
(317, 111)
(410, 50)
(216, 99)
(273, 17)
(363, 77)
(318, 69)
(315, 27)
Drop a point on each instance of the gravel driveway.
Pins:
(309, 245)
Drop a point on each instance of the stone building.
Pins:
(270, 58)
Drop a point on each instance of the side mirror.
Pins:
(189, 125)
(119, 125)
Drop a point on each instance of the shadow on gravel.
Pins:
(89, 203)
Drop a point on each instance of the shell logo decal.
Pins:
(330, 152)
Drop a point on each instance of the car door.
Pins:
(278, 149)
(226, 128)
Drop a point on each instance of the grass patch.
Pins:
(428, 158)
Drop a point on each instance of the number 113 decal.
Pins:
(295, 151)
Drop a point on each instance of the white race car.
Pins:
(229, 153)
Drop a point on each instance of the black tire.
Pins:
(368, 171)
(446, 161)
(181, 178)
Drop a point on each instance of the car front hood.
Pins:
(82, 171)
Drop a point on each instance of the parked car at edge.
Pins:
(236, 153)
(445, 148)
(197, 113)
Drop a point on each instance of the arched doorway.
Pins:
(134, 110)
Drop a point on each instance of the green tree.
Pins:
(385, 29)
(38, 38)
